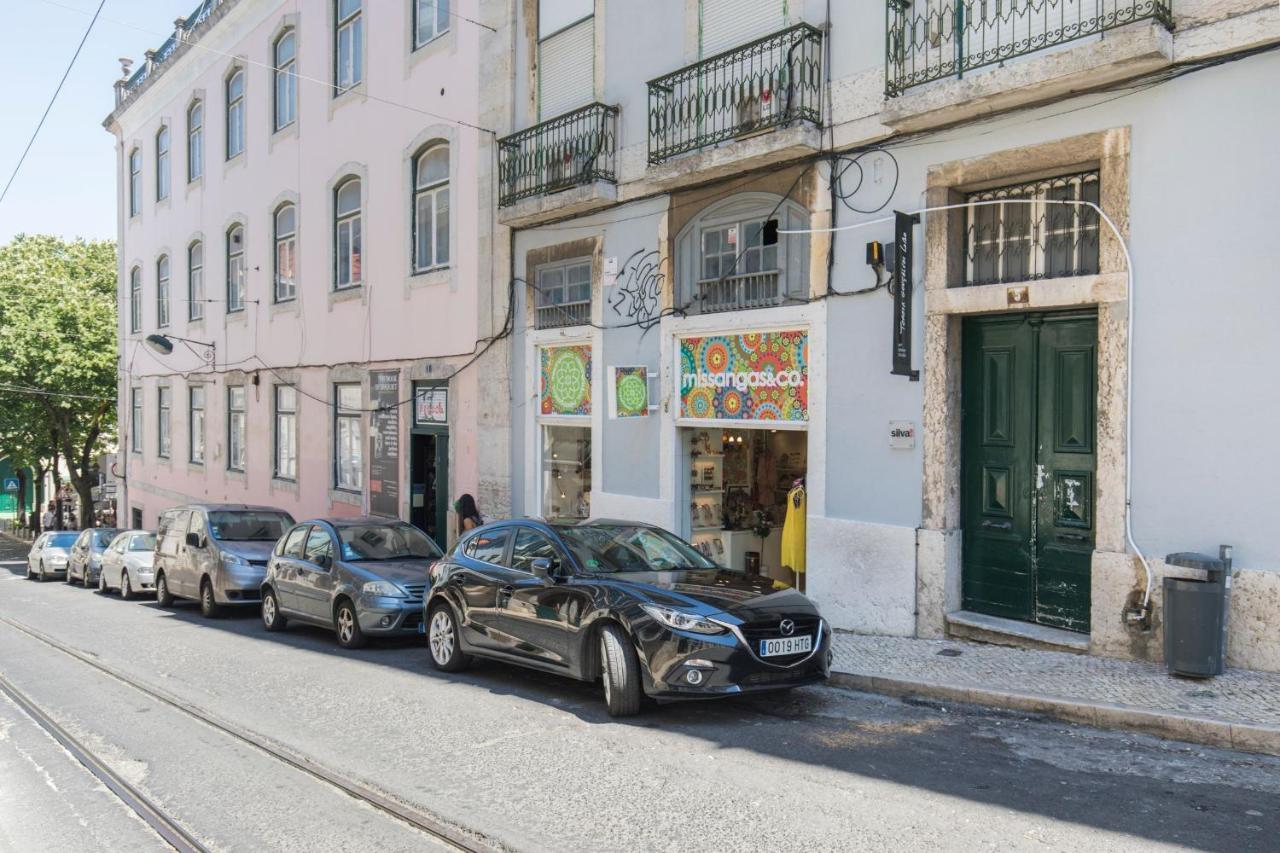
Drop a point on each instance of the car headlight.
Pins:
(57, 560)
(383, 588)
(682, 621)
(231, 561)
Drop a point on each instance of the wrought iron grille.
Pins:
(563, 314)
(567, 151)
(1017, 241)
(768, 83)
(739, 292)
(930, 39)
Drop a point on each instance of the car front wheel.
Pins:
(272, 618)
(126, 588)
(620, 669)
(103, 589)
(208, 604)
(163, 597)
(348, 626)
(442, 638)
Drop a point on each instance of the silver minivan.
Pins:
(215, 554)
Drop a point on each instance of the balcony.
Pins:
(572, 150)
(563, 314)
(930, 40)
(741, 292)
(770, 83)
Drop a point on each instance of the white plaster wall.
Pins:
(862, 575)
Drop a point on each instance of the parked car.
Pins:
(358, 576)
(128, 564)
(627, 603)
(215, 553)
(86, 555)
(49, 554)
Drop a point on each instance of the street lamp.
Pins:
(163, 344)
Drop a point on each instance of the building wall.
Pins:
(427, 324)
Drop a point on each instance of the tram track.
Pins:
(448, 833)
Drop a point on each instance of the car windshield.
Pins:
(61, 540)
(103, 536)
(385, 542)
(143, 542)
(630, 548)
(248, 525)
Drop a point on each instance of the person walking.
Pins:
(469, 517)
(50, 517)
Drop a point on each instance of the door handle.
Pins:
(998, 525)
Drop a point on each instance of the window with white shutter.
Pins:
(566, 56)
(726, 24)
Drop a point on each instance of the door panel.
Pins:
(1027, 466)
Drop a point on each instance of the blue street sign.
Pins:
(11, 484)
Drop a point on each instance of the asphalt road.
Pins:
(532, 762)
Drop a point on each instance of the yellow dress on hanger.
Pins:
(793, 531)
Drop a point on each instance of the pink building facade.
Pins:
(302, 205)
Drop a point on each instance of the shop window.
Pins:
(236, 428)
(566, 471)
(348, 439)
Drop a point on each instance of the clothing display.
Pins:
(793, 531)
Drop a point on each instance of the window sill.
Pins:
(195, 467)
(346, 294)
(233, 162)
(236, 475)
(356, 94)
(287, 306)
(196, 183)
(279, 484)
(431, 277)
(284, 134)
(343, 496)
(197, 322)
(237, 316)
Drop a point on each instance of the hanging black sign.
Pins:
(904, 232)
(384, 438)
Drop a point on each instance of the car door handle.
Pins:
(504, 595)
(998, 525)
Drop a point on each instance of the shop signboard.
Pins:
(430, 405)
(750, 377)
(384, 438)
(630, 392)
(565, 387)
(11, 484)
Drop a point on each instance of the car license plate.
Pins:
(786, 646)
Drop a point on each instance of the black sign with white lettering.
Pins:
(384, 438)
(904, 232)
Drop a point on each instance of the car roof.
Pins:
(231, 508)
(354, 521)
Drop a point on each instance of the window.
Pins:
(1020, 233)
(430, 19)
(162, 292)
(135, 420)
(347, 234)
(737, 249)
(566, 471)
(348, 440)
(294, 541)
(531, 545)
(135, 182)
(348, 45)
(235, 268)
(319, 545)
(286, 239)
(235, 428)
(195, 424)
(195, 281)
(489, 547)
(164, 404)
(566, 56)
(431, 208)
(162, 163)
(195, 141)
(564, 294)
(135, 300)
(235, 114)
(286, 73)
(286, 437)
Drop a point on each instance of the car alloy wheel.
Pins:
(102, 583)
(349, 634)
(126, 588)
(40, 577)
(271, 616)
(444, 642)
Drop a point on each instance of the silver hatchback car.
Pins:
(49, 554)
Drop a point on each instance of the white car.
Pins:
(49, 554)
(127, 564)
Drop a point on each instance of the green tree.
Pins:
(58, 334)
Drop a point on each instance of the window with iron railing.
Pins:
(1025, 232)
(570, 150)
(768, 83)
(931, 39)
(564, 294)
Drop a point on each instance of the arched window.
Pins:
(195, 141)
(725, 262)
(162, 163)
(346, 234)
(431, 208)
(135, 182)
(286, 242)
(135, 300)
(235, 114)
(235, 268)
(195, 281)
(162, 292)
(348, 45)
(286, 74)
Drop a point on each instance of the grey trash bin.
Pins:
(1195, 615)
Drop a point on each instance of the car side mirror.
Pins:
(543, 569)
(193, 540)
(324, 561)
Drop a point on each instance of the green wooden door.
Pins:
(1027, 466)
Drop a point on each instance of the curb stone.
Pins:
(1202, 730)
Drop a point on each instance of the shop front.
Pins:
(743, 438)
(564, 431)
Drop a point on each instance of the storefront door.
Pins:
(429, 484)
(1028, 462)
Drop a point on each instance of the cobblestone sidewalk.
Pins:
(1239, 708)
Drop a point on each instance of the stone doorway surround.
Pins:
(1114, 573)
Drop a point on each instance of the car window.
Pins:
(531, 545)
(142, 542)
(293, 544)
(102, 537)
(196, 524)
(248, 525)
(385, 542)
(489, 547)
(630, 548)
(319, 544)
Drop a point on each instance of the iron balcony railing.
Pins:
(567, 151)
(738, 292)
(768, 83)
(927, 40)
(156, 58)
(564, 314)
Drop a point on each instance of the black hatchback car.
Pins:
(628, 603)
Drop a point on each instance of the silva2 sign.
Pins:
(758, 376)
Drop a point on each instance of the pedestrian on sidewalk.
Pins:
(50, 517)
(469, 517)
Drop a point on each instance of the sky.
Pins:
(67, 185)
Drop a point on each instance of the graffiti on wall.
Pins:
(638, 293)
